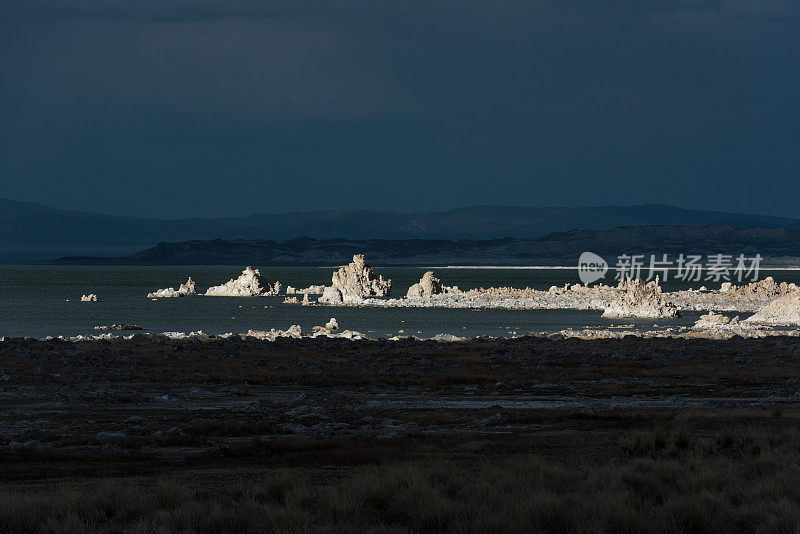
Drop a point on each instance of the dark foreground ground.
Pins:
(317, 435)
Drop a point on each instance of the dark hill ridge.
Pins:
(34, 232)
(777, 247)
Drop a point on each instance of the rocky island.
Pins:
(783, 311)
(249, 284)
(355, 282)
(427, 286)
(642, 300)
(185, 289)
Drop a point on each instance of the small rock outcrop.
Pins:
(188, 288)
(427, 286)
(783, 311)
(294, 300)
(712, 321)
(355, 282)
(122, 326)
(329, 327)
(185, 289)
(91, 297)
(294, 331)
(331, 295)
(310, 290)
(766, 288)
(249, 284)
(720, 326)
(641, 299)
(168, 292)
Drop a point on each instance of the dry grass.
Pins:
(661, 468)
(739, 480)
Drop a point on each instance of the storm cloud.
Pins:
(229, 108)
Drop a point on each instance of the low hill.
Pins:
(34, 232)
(777, 246)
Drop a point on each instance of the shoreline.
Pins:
(311, 426)
(746, 331)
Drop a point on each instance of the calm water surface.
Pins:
(40, 301)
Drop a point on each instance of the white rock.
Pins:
(122, 326)
(447, 338)
(713, 320)
(185, 289)
(164, 293)
(331, 295)
(766, 288)
(784, 310)
(328, 329)
(312, 290)
(249, 284)
(188, 288)
(355, 282)
(293, 331)
(644, 300)
(427, 286)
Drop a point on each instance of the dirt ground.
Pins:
(330, 435)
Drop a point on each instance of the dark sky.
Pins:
(218, 107)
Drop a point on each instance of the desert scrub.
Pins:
(520, 492)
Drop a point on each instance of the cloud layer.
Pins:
(220, 108)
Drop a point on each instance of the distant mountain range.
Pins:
(777, 246)
(31, 231)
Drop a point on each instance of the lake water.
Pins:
(39, 301)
